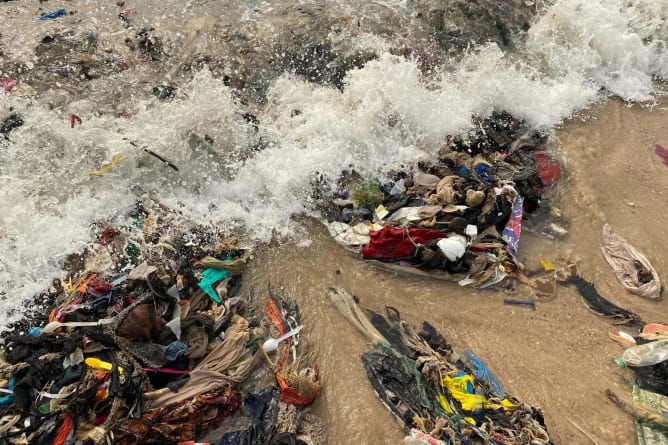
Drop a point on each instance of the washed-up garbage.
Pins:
(134, 351)
(662, 153)
(631, 267)
(53, 14)
(8, 84)
(435, 396)
(459, 218)
(647, 354)
(594, 301)
(277, 414)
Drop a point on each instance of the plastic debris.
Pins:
(53, 14)
(210, 277)
(546, 264)
(483, 373)
(511, 301)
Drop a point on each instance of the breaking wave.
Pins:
(235, 173)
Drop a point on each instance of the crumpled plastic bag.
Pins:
(624, 260)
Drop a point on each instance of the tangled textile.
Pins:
(180, 421)
(437, 396)
(598, 304)
(446, 192)
(228, 363)
(391, 243)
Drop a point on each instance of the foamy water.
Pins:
(237, 178)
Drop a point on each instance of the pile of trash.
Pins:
(438, 396)
(647, 354)
(461, 217)
(148, 341)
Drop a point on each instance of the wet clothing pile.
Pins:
(277, 415)
(438, 396)
(474, 200)
(146, 342)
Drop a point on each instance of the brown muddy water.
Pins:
(558, 357)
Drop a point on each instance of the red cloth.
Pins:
(8, 84)
(99, 286)
(662, 152)
(548, 170)
(391, 243)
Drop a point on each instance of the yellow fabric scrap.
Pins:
(471, 402)
(448, 409)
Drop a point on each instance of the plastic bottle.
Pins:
(646, 355)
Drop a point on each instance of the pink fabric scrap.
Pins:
(8, 84)
(662, 152)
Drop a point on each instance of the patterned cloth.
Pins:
(181, 421)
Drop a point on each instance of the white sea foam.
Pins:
(618, 45)
(577, 52)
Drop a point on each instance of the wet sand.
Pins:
(558, 357)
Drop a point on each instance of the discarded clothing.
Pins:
(90, 385)
(434, 395)
(233, 265)
(263, 409)
(179, 421)
(391, 243)
(298, 386)
(598, 304)
(631, 267)
(228, 363)
(513, 228)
